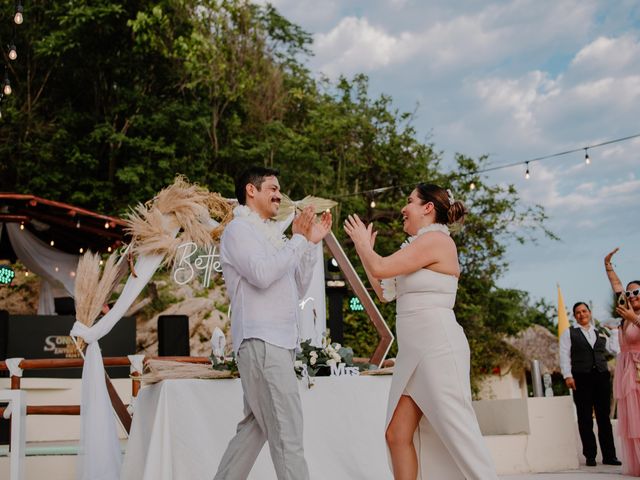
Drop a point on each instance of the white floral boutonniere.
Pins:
(270, 228)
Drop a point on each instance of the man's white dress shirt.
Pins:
(264, 282)
(591, 335)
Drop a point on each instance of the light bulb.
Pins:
(526, 174)
(472, 186)
(81, 250)
(373, 204)
(22, 226)
(73, 274)
(78, 224)
(18, 18)
(101, 262)
(13, 53)
(587, 160)
(52, 243)
(26, 274)
(109, 249)
(56, 269)
(106, 224)
(7, 88)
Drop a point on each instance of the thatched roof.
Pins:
(538, 343)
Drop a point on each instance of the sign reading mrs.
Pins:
(192, 261)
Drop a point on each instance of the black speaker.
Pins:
(64, 305)
(173, 336)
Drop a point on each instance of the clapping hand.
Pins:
(305, 224)
(361, 234)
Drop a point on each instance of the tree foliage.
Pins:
(112, 98)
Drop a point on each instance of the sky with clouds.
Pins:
(514, 79)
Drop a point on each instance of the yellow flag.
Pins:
(563, 320)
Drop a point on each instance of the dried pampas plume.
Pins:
(158, 370)
(92, 290)
(181, 206)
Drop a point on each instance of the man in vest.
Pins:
(583, 364)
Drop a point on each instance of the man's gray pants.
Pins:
(273, 413)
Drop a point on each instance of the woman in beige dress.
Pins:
(431, 429)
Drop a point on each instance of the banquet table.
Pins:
(181, 428)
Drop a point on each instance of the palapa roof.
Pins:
(538, 343)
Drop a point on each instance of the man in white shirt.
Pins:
(266, 274)
(584, 367)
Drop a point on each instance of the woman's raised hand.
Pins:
(361, 234)
(607, 259)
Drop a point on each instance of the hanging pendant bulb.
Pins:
(373, 204)
(7, 87)
(472, 186)
(587, 160)
(18, 18)
(527, 175)
(13, 51)
(78, 224)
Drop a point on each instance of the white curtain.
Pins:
(57, 269)
(100, 457)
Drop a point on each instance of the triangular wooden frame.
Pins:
(352, 277)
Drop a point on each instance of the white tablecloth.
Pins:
(182, 427)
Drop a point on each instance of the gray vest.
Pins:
(585, 359)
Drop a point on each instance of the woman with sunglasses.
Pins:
(626, 385)
(431, 429)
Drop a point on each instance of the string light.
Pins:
(109, 249)
(106, 225)
(101, 262)
(18, 18)
(72, 274)
(81, 250)
(21, 225)
(13, 52)
(56, 269)
(52, 243)
(526, 174)
(472, 186)
(78, 224)
(373, 204)
(7, 83)
(587, 160)
(26, 274)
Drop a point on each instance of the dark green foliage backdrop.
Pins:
(112, 98)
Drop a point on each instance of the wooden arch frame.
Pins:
(351, 276)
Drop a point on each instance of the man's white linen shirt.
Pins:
(264, 283)
(591, 335)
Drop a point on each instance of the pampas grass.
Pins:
(92, 290)
(184, 206)
(158, 370)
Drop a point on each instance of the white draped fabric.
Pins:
(56, 268)
(99, 455)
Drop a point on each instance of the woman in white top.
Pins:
(431, 430)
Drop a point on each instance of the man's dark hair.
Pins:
(578, 304)
(255, 176)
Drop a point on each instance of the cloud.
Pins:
(355, 45)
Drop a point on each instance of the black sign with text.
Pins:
(47, 336)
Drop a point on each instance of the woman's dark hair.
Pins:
(578, 304)
(255, 176)
(446, 212)
(637, 282)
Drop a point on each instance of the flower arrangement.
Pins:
(219, 361)
(313, 361)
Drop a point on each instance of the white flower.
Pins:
(298, 364)
(389, 289)
(331, 362)
(268, 227)
(312, 360)
(329, 349)
(336, 357)
(313, 354)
